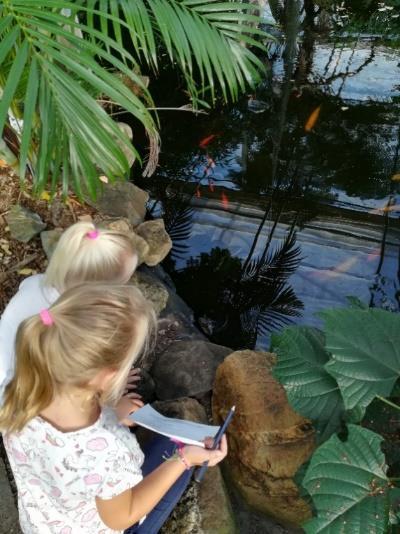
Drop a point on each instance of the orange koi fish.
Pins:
(312, 119)
(206, 141)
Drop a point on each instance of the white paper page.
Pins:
(185, 431)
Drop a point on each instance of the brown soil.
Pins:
(58, 214)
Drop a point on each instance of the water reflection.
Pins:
(244, 188)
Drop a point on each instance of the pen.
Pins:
(201, 471)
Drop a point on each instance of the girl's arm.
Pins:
(129, 507)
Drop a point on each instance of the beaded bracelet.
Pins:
(178, 454)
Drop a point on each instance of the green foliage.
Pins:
(348, 484)
(61, 60)
(332, 377)
(365, 348)
(301, 369)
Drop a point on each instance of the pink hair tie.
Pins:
(46, 318)
(93, 234)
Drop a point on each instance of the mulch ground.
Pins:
(18, 260)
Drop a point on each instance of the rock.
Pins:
(268, 440)
(153, 232)
(152, 289)
(141, 246)
(205, 508)
(8, 510)
(122, 199)
(187, 368)
(119, 224)
(49, 240)
(24, 224)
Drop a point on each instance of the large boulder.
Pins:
(122, 199)
(187, 368)
(24, 224)
(205, 508)
(268, 440)
(154, 233)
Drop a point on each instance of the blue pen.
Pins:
(201, 471)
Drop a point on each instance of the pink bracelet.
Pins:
(182, 457)
(179, 450)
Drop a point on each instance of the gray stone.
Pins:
(24, 224)
(187, 368)
(49, 240)
(152, 290)
(122, 199)
(141, 246)
(119, 224)
(153, 232)
(8, 511)
(204, 508)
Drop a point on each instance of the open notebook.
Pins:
(185, 431)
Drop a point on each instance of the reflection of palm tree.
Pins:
(237, 304)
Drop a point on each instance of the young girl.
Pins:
(77, 470)
(83, 254)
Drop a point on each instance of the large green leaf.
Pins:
(348, 484)
(365, 348)
(300, 368)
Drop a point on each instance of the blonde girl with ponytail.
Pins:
(77, 470)
(84, 253)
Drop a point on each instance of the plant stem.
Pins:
(392, 404)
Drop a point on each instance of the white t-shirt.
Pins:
(32, 296)
(59, 474)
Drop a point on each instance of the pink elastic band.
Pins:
(93, 234)
(47, 319)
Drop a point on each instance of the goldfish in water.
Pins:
(312, 119)
(206, 141)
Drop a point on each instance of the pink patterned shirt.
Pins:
(59, 474)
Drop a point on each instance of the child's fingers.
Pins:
(137, 403)
(219, 454)
(208, 442)
(132, 395)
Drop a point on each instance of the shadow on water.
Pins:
(287, 202)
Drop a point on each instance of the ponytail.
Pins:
(32, 388)
(87, 254)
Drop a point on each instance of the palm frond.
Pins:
(277, 265)
(60, 115)
(203, 38)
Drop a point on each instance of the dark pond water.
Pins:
(272, 223)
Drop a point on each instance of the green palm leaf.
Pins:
(348, 484)
(365, 348)
(300, 369)
(58, 56)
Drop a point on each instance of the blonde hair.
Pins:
(95, 327)
(77, 258)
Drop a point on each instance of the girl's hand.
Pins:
(125, 407)
(133, 377)
(197, 455)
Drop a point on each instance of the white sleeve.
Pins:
(8, 331)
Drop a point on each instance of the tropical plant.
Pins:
(332, 377)
(63, 62)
